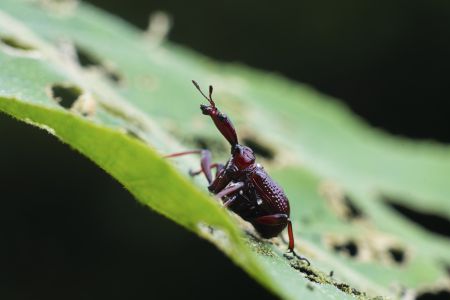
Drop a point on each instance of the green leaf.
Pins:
(122, 99)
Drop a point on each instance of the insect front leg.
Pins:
(233, 188)
(205, 162)
(223, 178)
(217, 166)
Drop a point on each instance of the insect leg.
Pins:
(218, 167)
(275, 219)
(291, 243)
(230, 201)
(205, 161)
(291, 236)
(182, 153)
(230, 189)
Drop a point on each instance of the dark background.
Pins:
(72, 232)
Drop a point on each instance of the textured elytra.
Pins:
(270, 191)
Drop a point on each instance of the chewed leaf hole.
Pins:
(85, 59)
(370, 247)
(350, 248)
(341, 202)
(88, 60)
(260, 149)
(352, 211)
(397, 255)
(211, 144)
(15, 43)
(65, 95)
(431, 222)
(439, 295)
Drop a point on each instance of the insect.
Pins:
(241, 184)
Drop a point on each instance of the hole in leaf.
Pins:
(350, 247)
(211, 144)
(431, 222)
(65, 95)
(88, 60)
(352, 211)
(439, 295)
(202, 143)
(340, 202)
(16, 44)
(259, 149)
(397, 255)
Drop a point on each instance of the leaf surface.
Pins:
(134, 102)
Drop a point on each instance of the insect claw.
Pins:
(304, 259)
(294, 254)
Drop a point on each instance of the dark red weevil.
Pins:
(243, 185)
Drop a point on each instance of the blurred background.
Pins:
(388, 60)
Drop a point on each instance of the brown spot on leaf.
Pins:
(88, 60)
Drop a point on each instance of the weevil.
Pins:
(241, 184)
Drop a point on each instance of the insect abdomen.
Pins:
(271, 193)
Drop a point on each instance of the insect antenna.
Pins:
(210, 100)
(210, 93)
